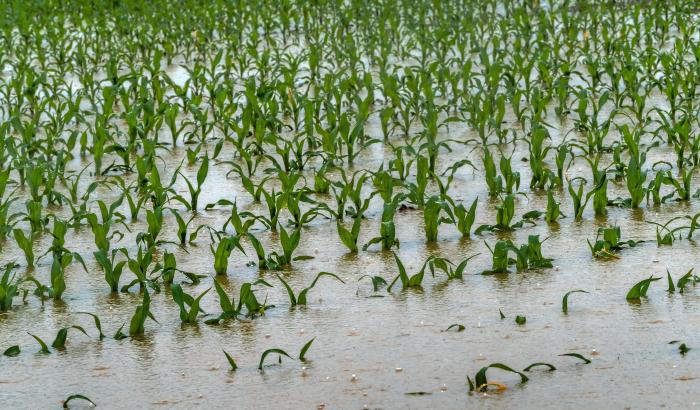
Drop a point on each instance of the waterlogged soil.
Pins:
(377, 349)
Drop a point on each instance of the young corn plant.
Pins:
(350, 237)
(463, 217)
(553, 212)
(189, 306)
(481, 383)
(247, 299)
(608, 242)
(223, 251)
(413, 281)
(9, 287)
(639, 290)
(387, 228)
(192, 204)
(432, 218)
(26, 245)
(301, 298)
(143, 312)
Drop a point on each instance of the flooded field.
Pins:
(460, 204)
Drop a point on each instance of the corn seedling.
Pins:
(608, 242)
(189, 306)
(138, 320)
(481, 383)
(304, 349)
(301, 298)
(12, 351)
(639, 290)
(280, 352)
(223, 251)
(77, 397)
(565, 300)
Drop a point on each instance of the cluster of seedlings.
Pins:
(115, 117)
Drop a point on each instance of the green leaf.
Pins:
(551, 368)
(12, 351)
(60, 341)
(578, 356)
(565, 300)
(304, 349)
(290, 292)
(520, 319)
(481, 381)
(684, 280)
(459, 327)
(119, 335)
(267, 352)
(44, 347)
(225, 303)
(77, 396)
(301, 300)
(230, 361)
(98, 324)
(639, 290)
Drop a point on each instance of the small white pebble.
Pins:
(655, 260)
(398, 370)
(443, 388)
(302, 331)
(353, 378)
(200, 395)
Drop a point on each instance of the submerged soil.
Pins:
(378, 350)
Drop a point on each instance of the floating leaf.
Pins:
(578, 356)
(12, 351)
(551, 367)
(77, 396)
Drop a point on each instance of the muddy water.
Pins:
(377, 350)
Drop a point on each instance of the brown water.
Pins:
(375, 350)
